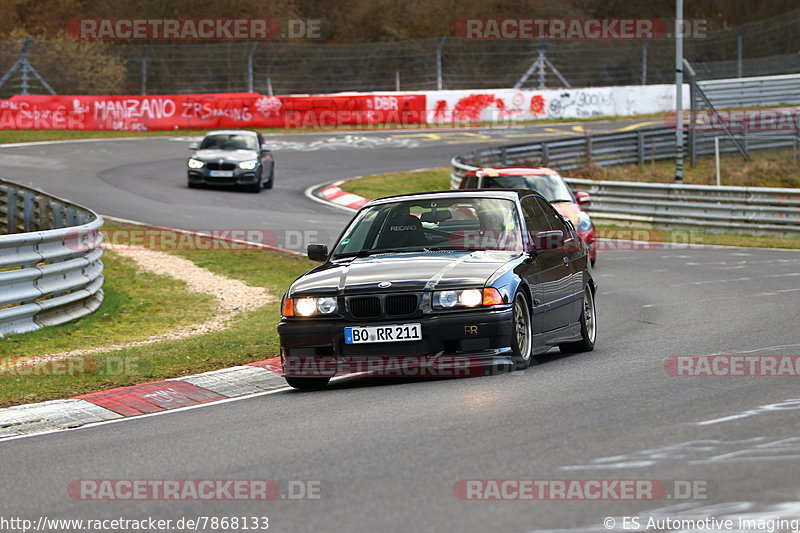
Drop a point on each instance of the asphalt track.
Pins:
(388, 452)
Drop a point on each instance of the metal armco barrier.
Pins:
(758, 91)
(50, 267)
(752, 210)
(634, 147)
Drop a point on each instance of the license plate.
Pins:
(221, 173)
(370, 334)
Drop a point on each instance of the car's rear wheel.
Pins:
(307, 383)
(522, 334)
(588, 327)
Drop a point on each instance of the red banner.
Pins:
(208, 111)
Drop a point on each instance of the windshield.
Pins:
(432, 224)
(229, 141)
(551, 186)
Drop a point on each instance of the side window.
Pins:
(553, 217)
(470, 182)
(535, 220)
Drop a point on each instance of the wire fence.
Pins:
(763, 47)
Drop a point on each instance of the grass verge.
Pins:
(251, 337)
(379, 185)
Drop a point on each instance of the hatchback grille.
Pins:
(402, 304)
(220, 166)
(365, 307)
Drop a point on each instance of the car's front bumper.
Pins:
(202, 176)
(453, 344)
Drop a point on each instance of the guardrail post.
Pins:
(504, 156)
(58, 216)
(44, 213)
(744, 140)
(27, 213)
(794, 155)
(640, 147)
(11, 208)
(588, 150)
(545, 154)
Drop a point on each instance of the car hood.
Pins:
(405, 272)
(226, 155)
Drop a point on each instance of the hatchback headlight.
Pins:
(195, 163)
(248, 165)
(584, 222)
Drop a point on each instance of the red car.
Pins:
(546, 182)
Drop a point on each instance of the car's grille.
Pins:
(401, 304)
(220, 166)
(365, 307)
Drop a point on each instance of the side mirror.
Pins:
(317, 252)
(265, 149)
(548, 240)
(194, 146)
(584, 199)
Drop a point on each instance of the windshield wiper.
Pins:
(367, 253)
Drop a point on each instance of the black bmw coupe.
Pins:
(491, 277)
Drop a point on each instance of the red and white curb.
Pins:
(334, 195)
(145, 398)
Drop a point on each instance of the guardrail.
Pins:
(754, 210)
(758, 91)
(50, 266)
(634, 147)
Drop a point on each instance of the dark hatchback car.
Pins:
(495, 275)
(232, 158)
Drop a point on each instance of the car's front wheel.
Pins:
(255, 187)
(588, 326)
(522, 334)
(307, 383)
(268, 184)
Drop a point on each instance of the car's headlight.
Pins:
(309, 306)
(248, 165)
(584, 222)
(195, 163)
(467, 298)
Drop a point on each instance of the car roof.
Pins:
(230, 132)
(507, 194)
(514, 171)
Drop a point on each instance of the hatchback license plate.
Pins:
(370, 334)
(221, 173)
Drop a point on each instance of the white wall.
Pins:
(508, 105)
